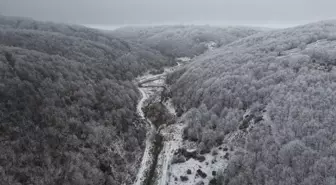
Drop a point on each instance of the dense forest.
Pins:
(68, 102)
(277, 90)
(183, 40)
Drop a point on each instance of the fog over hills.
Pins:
(117, 12)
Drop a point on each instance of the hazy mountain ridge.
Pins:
(66, 29)
(276, 89)
(183, 40)
(98, 47)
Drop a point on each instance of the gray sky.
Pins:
(121, 12)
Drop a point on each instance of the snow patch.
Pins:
(183, 59)
(169, 105)
(211, 45)
(144, 96)
(173, 140)
(149, 86)
(212, 163)
(146, 160)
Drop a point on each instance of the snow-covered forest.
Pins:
(204, 105)
(183, 40)
(68, 101)
(270, 97)
(68, 104)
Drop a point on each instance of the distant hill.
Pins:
(181, 40)
(277, 90)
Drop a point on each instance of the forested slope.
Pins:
(67, 104)
(81, 44)
(278, 89)
(183, 40)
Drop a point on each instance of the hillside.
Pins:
(81, 44)
(271, 98)
(68, 103)
(183, 40)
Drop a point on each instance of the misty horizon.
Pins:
(167, 92)
(115, 13)
(272, 25)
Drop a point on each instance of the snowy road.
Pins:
(150, 85)
(146, 159)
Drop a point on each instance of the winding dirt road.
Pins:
(149, 85)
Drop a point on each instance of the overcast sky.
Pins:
(121, 12)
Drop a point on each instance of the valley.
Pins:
(154, 161)
(168, 158)
(167, 105)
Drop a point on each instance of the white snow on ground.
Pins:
(212, 163)
(158, 82)
(169, 105)
(211, 45)
(146, 93)
(172, 134)
(144, 96)
(318, 43)
(298, 51)
(247, 113)
(184, 59)
(173, 140)
(146, 159)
